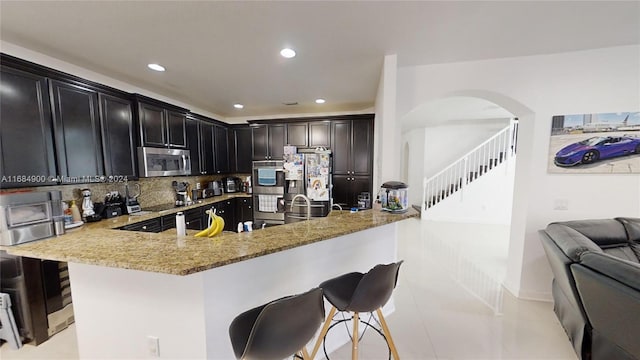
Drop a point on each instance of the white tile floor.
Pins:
(435, 317)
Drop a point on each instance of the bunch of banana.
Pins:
(216, 224)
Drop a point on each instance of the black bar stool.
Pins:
(357, 292)
(278, 329)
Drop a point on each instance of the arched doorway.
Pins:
(459, 119)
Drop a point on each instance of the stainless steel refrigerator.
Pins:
(307, 172)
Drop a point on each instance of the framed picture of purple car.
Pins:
(604, 143)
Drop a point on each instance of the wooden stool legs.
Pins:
(323, 332)
(387, 334)
(354, 343)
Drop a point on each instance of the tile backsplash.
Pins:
(153, 191)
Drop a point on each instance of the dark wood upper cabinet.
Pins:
(26, 135)
(361, 147)
(341, 147)
(221, 149)
(193, 144)
(116, 120)
(161, 125)
(152, 124)
(176, 126)
(268, 141)
(319, 134)
(259, 142)
(207, 149)
(276, 141)
(77, 130)
(297, 134)
(240, 150)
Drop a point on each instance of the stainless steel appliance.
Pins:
(39, 290)
(232, 184)
(307, 184)
(181, 192)
(268, 191)
(131, 204)
(216, 188)
(30, 216)
(163, 162)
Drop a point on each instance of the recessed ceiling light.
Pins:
(320, 101)
(288, 53)
(156, 67)
(238, 106)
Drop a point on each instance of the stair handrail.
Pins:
(463, 157)
(458, 171)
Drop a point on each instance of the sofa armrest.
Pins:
(570, 241)
(622, 271)
(609, 290)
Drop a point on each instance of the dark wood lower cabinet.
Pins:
(244, 209)
(346, 189)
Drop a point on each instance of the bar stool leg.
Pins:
(354, 340)
(305, 354)
(323, 332)
(387, 334)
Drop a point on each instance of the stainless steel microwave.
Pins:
(163, 162)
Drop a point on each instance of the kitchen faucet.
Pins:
(305, 199)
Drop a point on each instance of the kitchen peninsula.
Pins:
(131, 288)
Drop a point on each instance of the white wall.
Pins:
(534, 88)
(387, 152)
(416, 142)
(447, 143)
(486, 200)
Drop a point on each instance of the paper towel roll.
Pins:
(181, 226)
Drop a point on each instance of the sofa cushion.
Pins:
(606, 233)
(632, 225)
(571, 242)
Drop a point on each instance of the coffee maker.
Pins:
(181, 192)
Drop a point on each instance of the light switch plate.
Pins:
(153, 344)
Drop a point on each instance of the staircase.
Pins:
(467, 169)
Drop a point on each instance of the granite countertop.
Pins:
(101, 244)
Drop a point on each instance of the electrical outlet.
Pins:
(561, 204)
(153, 344)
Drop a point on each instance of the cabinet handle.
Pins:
(144, 227)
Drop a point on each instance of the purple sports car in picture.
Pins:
(597, 148)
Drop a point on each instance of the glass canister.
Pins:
(394, 196)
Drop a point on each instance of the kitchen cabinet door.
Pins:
(116, 120)
(259, 142)
(341, 191)
(221, 145)
(152, 124)
(360, 184)
(77, 130)
(297, 134)
(341, 147)
(319, 134)
(244, 209)
(226, 209)
(176, 129)
(207, 158)
(361, 147)
(152, 225)
(26, 134)
(193, 219)
(193, 144)
(346, 189)
(241, 150)
(276, 141)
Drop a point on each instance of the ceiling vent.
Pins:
(290, 103)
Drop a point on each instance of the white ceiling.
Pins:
(220, 53)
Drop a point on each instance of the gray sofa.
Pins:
(596, 285)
